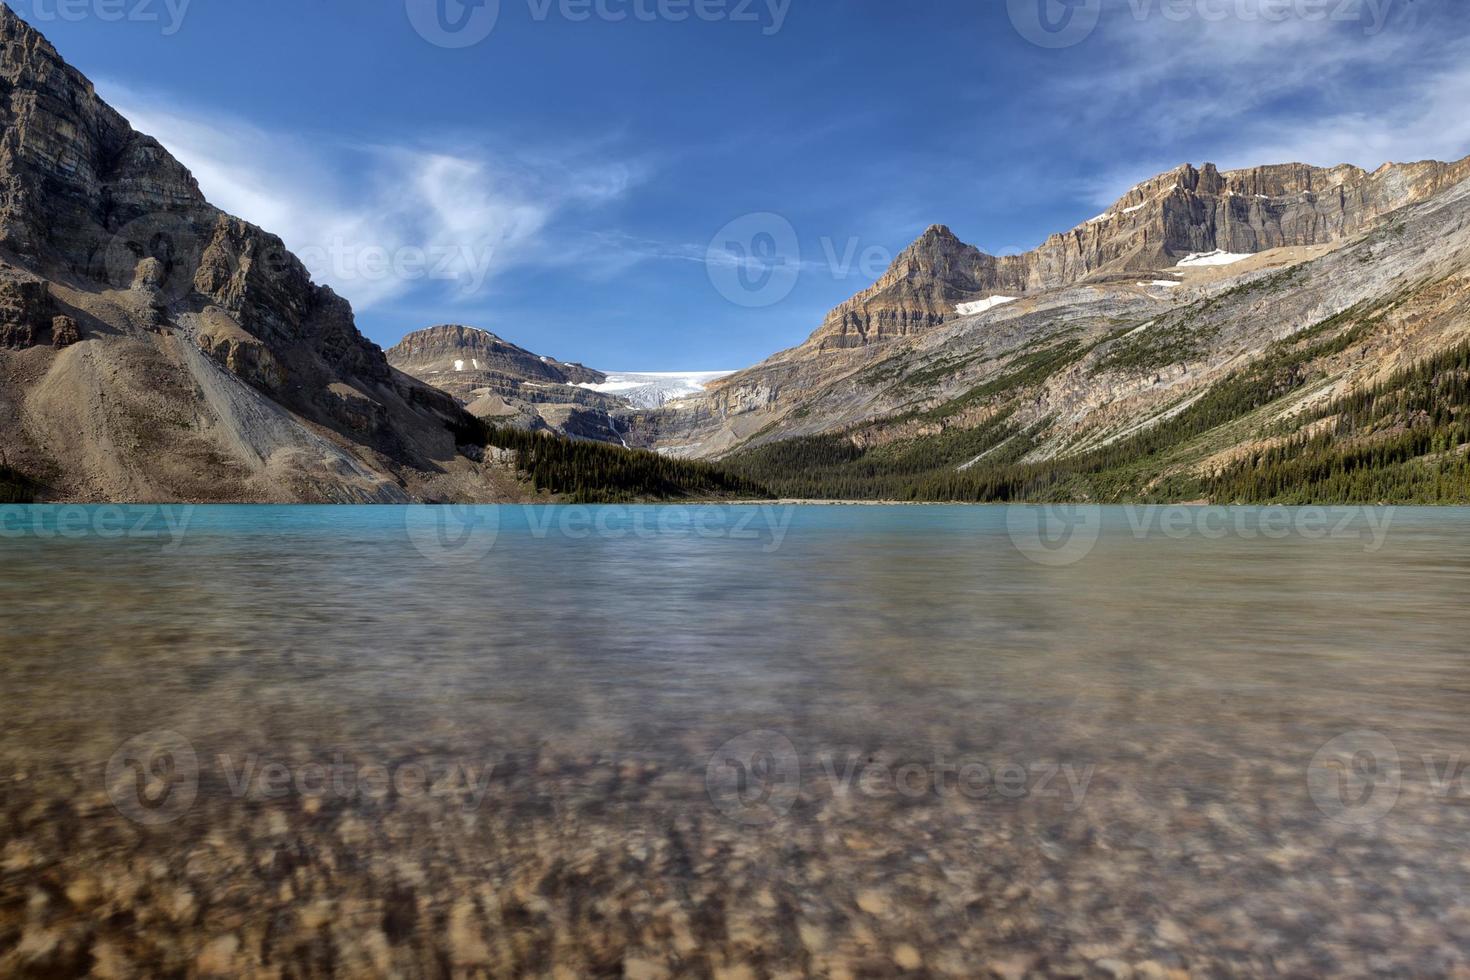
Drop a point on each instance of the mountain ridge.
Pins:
(159, 348)
(1153, 225)
(1123, 342)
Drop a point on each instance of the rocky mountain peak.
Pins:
(446, 338)
(937, 233)
(117, 236)
(463, 350)
(1154, 225)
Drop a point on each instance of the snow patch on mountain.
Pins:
(653, 389)
(1217, 257)
(981, 305)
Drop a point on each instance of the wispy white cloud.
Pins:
(1363, 82)
(378, 221)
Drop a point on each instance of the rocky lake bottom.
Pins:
(734, 742)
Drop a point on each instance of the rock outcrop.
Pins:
(25, 311)
(64, 331)
(101, 227)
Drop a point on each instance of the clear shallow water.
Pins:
(959, 734)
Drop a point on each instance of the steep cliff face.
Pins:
(1151, 228)
(197, 317)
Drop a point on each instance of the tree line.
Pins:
(595, 472)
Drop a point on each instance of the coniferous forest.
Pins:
(596, 473)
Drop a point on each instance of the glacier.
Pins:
(654, 389)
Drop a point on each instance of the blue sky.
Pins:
(570, 179)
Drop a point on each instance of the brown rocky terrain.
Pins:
(156, 348)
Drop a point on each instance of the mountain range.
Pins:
(1210, 328)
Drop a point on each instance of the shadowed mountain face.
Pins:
(158, 348)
